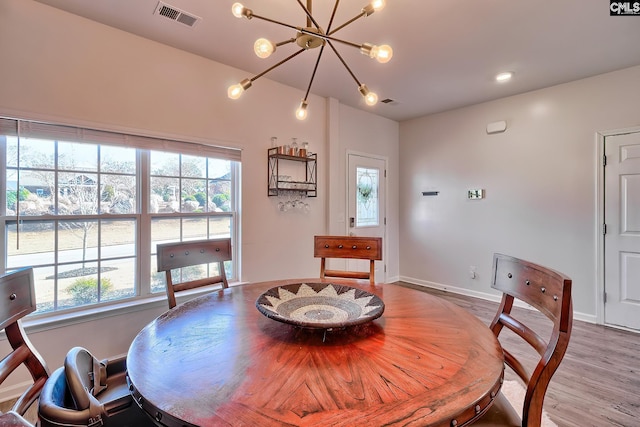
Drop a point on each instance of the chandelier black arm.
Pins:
(293, 55)
(355, 18)
(291, 40)
(333, 15)
(273, 21)
(308, 13)
(344, 63)
(313, 75)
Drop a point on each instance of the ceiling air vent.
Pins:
(176, 14)
(388, 101)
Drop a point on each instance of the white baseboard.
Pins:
(453, 289)
(393, 279)
(589, 318)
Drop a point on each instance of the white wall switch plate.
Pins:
(475, 194)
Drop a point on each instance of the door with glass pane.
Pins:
(366, 191)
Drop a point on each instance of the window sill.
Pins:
(45, 322)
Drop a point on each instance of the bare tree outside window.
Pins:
(73, 213)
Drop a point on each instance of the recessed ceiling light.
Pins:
(504, 77)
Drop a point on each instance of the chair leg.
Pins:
(170, 295)
(223, 274)
(372, 269)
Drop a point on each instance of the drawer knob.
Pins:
(368, 247)
(326, 246)
(354, 247)
(12, 297)
(339, 246)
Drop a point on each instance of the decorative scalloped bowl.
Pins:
(320, 305)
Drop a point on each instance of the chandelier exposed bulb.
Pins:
(374, 6)
(370, 98)
(240, 11)
(382, 53)
(263, 48)
(378, 4)
(235, 91)
(301, 112)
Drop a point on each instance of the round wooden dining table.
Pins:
(216, 360)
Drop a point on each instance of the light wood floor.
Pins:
(598, 382)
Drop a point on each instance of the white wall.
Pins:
(539, 177)
(360, 131)
(62, 68)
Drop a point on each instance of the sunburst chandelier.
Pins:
(312, 36)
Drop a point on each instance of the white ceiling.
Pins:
(446, 52)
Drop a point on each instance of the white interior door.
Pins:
(366, 200)
(622, 237)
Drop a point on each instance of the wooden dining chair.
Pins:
(549, 292)
(17, 299)
(172, 257)
(354, 247)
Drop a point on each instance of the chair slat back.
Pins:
(349, 247)
(18, 288)
(544, 288)
(17, 299)
(550, 293)
(173, 256)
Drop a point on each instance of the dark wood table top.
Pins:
(217, 361)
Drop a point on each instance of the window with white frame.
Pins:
(87, 208)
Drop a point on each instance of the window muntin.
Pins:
(80, 223)
(187, 183)
(76, 262)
